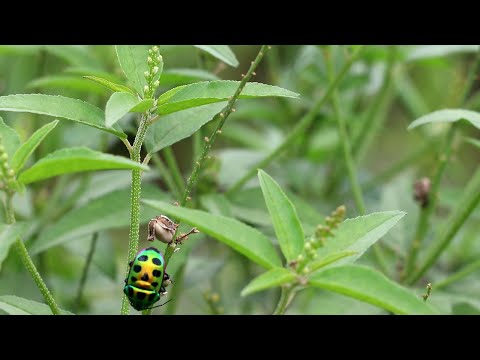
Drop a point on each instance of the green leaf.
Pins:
(207, 92)
(372, 287)
(448, 115)
(9, 138)
(109, 84)
(110, 211)
(59, 106)
(76, 55)
(186, 76)
(287, 226)
(246, 240)
(15, 305)
(172, 128)
(133, 61)
(8, 235)
(359, 234)
(73, 160)
(118, 105)
(272, 278)
(221, 52)
(429, 51)
(23, 152)
(64, 82)
(329, 259)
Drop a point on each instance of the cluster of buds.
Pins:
(7, 174)
(318, 240)
(155, 64)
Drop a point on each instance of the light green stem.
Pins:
(299, 129)
(173, 167)
(136, 190)
(460, 274)
(27, 260)
(165, 174)
(83, 279)
(286, 296)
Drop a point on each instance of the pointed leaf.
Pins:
(15, 305)
(272, 278)
(65, 82)
(287, 226)
(240, 237)
(207, 92)
(59, 106)
(133, 61)
(118, 105)
(109, 84)
(329, 259)
(172, 128)
(359, 234)
(73, 160)
(221, 52)
(8, 235)
(109, 211)
(372, 287)
(23, 152)
(8, 138)
(448, 115)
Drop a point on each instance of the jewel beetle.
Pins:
(146, 279)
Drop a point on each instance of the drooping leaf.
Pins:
(59, 106)
(72, 160)
(15, 305)
(133, 61)
(448, 115)
(8, 235)
(272, 278)
(246, 240)
(109, 211)
(23, 152)
(65, 82)
(284, 217)
(370, 286)
(8, 138)
(109, 84)
(221, 52)
(174, 127)
(359, 234)
(207, 92)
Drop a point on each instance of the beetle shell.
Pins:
(144, 282)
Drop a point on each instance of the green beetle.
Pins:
(146, 279)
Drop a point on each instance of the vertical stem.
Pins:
(165, 174)
(136, 190)
(286, 297)
(83, 279)
(27, 260)
(174, 169)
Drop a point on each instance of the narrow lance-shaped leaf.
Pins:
(207, 92)
(246, 240)
(26, 150)
(287, 226)
(109, 84)
(59, 106)
(65, 82)
(329, 259)
(109, 211)
(133, 61)
(370, 286)
(172, 128)
(448, 115)
(8, 138)
(8, 235)
(221, 52)
(359, 234)
(15, 305)
(272, 278)
(121, 103)
(75, 160)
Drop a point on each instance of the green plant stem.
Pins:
(469, 201)
(286, 296)
(426, 212)
(460, 274)
(83, 279)
(173, 167)
(345, 141)
(136, 190)
(302, 125)
(165, 174)
(27, 260)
